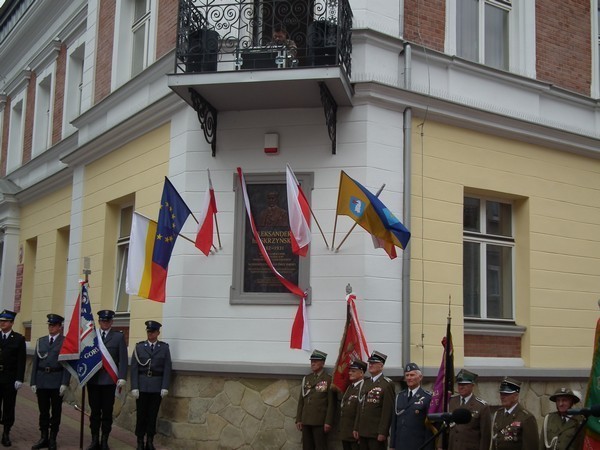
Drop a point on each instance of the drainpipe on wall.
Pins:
(407, 148)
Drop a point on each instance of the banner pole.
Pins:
(82, 418)
(86, 273)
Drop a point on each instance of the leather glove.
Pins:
(163, 393)
(34, 388)
(62, 389)
(18, 385)
(135, 393)
(121, 382)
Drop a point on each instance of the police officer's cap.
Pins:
(358, 364)
(377, 357)
(8, 315)
(411, 367)
(565, 392)
(509, 386)
(55, 319)
(152, 325)
(106, 314)
(318, 355)
(466, 377)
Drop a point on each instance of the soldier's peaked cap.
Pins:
(377, 357)
(358, 364)
(509, 386)
(466, 377)
(152, 325)
(106, 314)
(7, 315)
(54, 319)
(318, 355)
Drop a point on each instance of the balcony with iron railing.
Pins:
(263, 54)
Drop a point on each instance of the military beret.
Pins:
(318, 355)
(55, 319)
(411, 366)
(509, 386)
(565, 392)
(466, 377)
(358, 364)
(152, 325)
(106, 314)
(377, 357)
(8, 315)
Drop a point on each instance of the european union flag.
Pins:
(356, 202)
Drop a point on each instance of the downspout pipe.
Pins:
(407, 149)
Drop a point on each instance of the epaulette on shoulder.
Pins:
(480, 400)
(389, 380)
(141, 342)
(455, 395)
(164, 343)
(428, 392)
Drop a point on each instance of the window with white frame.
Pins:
(135, 30)
(15, 132)
(488, 249)
(121, 296)
(482, 31)
(73, 86)
(42, 121)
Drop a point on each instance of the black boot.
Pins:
(140, 443)
(52, 440)
(104, 442)
(95, 444)
(150, 443)
(43, 442)
(6, 437)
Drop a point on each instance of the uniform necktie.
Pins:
(151, 347)
(462, 401)
(51, 340)
(564, 420)
(103, 336)
(409, 395)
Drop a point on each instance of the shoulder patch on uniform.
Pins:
(428, 392)
(480, 400)
(389, 380)
(141, 342)
(455, 395)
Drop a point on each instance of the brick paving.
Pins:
(25, 432)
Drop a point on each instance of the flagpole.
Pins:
(86, 272)
(312, 213)
(355, 223)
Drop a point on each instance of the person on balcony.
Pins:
(280, 37)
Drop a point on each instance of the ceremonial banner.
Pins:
(444, 383)
(592, 398)
(299, 215)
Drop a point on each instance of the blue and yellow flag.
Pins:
(356, 202)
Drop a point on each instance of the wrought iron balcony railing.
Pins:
(222, 35)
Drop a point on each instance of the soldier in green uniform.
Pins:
(513, 427)
(476, 434)
(316, 405)
(349, 404)
(559, 428)
(374, 417)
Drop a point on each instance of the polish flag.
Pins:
(300, 338)
(204, 238)
(299, 214)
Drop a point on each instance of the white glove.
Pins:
(62, 389)
(121, 382)
(163, 393)
(34, 388)
(135, 393)
(18, 385)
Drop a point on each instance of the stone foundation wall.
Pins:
(222, 412)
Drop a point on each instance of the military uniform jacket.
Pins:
(115, 344)
(46, 371)
(151, 370)
(12, 358)
(476, 434)
(349, 404)
(409, 431)
(316, 404)
(556, 435)
(517, 431)
(376, 408)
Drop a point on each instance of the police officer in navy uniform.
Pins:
(372, 426)
(476, 434)
(101, 387)
(150, 378)
(350, 402)
(316, 405)
(513, 427)
(12, 370)
(49, 381)
(409, 430)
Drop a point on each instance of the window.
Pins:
(482, 31)
(122, 297)
(140, 31)
(73, 87)
(488, 248)
(15, 133)
(42, 122)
